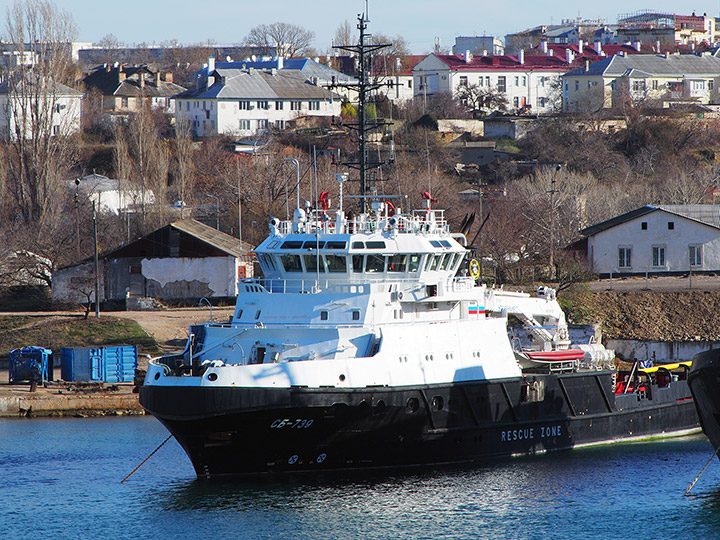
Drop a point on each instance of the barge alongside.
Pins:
(704, 381)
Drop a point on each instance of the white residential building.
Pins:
(528, 82)
(241, 102)
(657, 240)
(61, 104)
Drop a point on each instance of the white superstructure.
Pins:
(378, 300)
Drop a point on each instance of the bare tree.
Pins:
(480, 100)
(183, 162)
(40, 150)
(345, 35)
(290, 39)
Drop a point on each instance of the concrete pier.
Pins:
(67, 399)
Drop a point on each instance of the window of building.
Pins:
(577, 85)
(643, 226)
(711, 85)
(695, 255)
(278, 105)
(245, 124)
(658, 256)
(542, 81)
(463, 80)
(280, 124)
(516, 102)
(671, 225)
(263, 124)
(295, 105)
(523, 80)
(487, 81)
(502, 86)
(624, 257)
(244, 105)
(124, 102)
(654, 85)
(517, 81)
(409, 83)
(314, 105)
(264, 105)
(639, 85)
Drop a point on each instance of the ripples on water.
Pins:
(60, 478)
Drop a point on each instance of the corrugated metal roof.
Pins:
(214, 237)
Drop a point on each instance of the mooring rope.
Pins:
(151, 455)
(703, 470)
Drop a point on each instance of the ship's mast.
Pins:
(364, 86)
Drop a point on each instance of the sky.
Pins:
(420, 22)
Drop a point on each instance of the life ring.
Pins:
(474, 268)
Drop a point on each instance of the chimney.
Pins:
(551, 52)
(211, 65)
(657, 46)
(280, 62)
(581, 46)
(484, 52)
(521, 56)
(637, 45)
(598, 47)
(168, 77)
(158, 80)
(543, 46)
(467, 57)
(142, 79)
(587, 65)
(667, 54)
(568, 56)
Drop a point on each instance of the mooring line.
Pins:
(703, 470)
(151, 455)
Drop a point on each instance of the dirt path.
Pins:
(170, 327)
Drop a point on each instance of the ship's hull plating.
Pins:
(704, 381)
(254, 431)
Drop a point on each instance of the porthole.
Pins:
(379, 408)
(157, 375)
(342, 377)
(412, 405)
(437, 403)
(212, 377)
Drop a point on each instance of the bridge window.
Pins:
(358, 245)
(291, 244)
(435, 262)
(336, 263)
(311, 244)
(375, 263)
(357, 261)
(335, 245)
(355, 315)
(397, 263)
(375, 245)
(291, 263)
(323, 315)
(311, 263)
(415, 259)
(446, 261)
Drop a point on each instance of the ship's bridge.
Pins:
(374, 247)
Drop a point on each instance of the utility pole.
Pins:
(77, 217)
(97, 264)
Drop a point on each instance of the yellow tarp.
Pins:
(666, 366)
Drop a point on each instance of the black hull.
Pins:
(704, 381)
(251, 431)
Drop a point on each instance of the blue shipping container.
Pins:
(30, 364)
(104, 364)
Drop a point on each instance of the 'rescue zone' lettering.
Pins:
(524, 434)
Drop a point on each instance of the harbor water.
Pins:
(60, 478)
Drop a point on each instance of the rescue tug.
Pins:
(367, 345)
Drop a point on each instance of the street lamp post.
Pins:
(77, 217)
